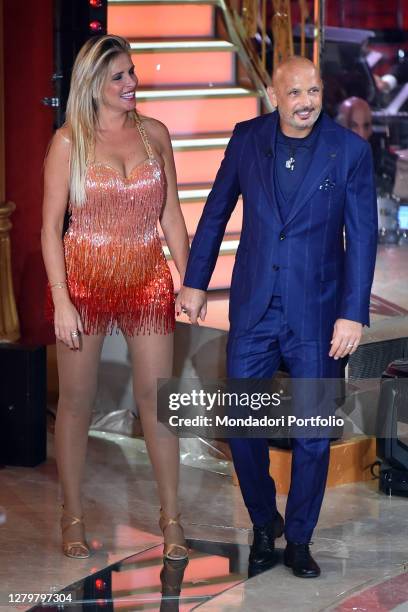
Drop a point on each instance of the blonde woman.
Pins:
(115, 170)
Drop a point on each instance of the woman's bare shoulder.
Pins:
(60, 145)
(63, 135)
(156, 130)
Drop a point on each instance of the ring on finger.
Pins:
(75, 333)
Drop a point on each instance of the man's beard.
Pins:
(304, 125)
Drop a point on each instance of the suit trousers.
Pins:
(258, 353)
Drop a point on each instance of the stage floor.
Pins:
(358, 542)
(389, 295)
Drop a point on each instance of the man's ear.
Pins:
(271, 95)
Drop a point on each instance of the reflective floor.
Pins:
(360, 543)
(147, 582)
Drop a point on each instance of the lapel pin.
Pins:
(327, 184)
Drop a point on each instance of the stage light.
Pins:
(95, 26)
(95, 3)
(100, 584)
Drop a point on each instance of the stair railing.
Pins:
(248, 20)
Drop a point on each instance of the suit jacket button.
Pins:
(282, 237)
(275, 267)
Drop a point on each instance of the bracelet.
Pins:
(59, 285)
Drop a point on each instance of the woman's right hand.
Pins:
(68, 324)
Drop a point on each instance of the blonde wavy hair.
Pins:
(88, 76)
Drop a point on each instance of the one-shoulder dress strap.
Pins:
(145, 139)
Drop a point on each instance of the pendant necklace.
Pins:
(290, 163)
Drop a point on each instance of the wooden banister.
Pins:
(9, 326)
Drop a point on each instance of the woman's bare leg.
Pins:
(77, 373)
(152, 358)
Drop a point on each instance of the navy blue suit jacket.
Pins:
(324, 251)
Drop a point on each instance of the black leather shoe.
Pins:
(262, 555)
(298, 557)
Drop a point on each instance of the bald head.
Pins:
(293, 65)
(297, 93)
(355, 114)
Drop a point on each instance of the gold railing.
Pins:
(9, 328)
(282, 31)
(252, 17)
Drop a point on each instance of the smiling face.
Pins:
(118, 91)
(297, 92)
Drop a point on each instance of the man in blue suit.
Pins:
(301, 283)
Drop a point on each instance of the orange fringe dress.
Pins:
(117, 274)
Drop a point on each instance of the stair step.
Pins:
(195, 197)
(350, 461)
(197, 166)
(177, 46)
(228, 246)
(198, 159)
(156, 19)
(192, 212)
(189, 193)
(184, 63)
(221, 278)
(200, 142)
(194, 93)
(186, 116)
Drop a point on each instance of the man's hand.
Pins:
(193, 303)
(346, 338)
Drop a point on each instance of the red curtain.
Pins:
(28, 68)
(364, 14)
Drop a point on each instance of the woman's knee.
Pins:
(76, 402)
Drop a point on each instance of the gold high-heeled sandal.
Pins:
(67, 547)
(169, 550)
